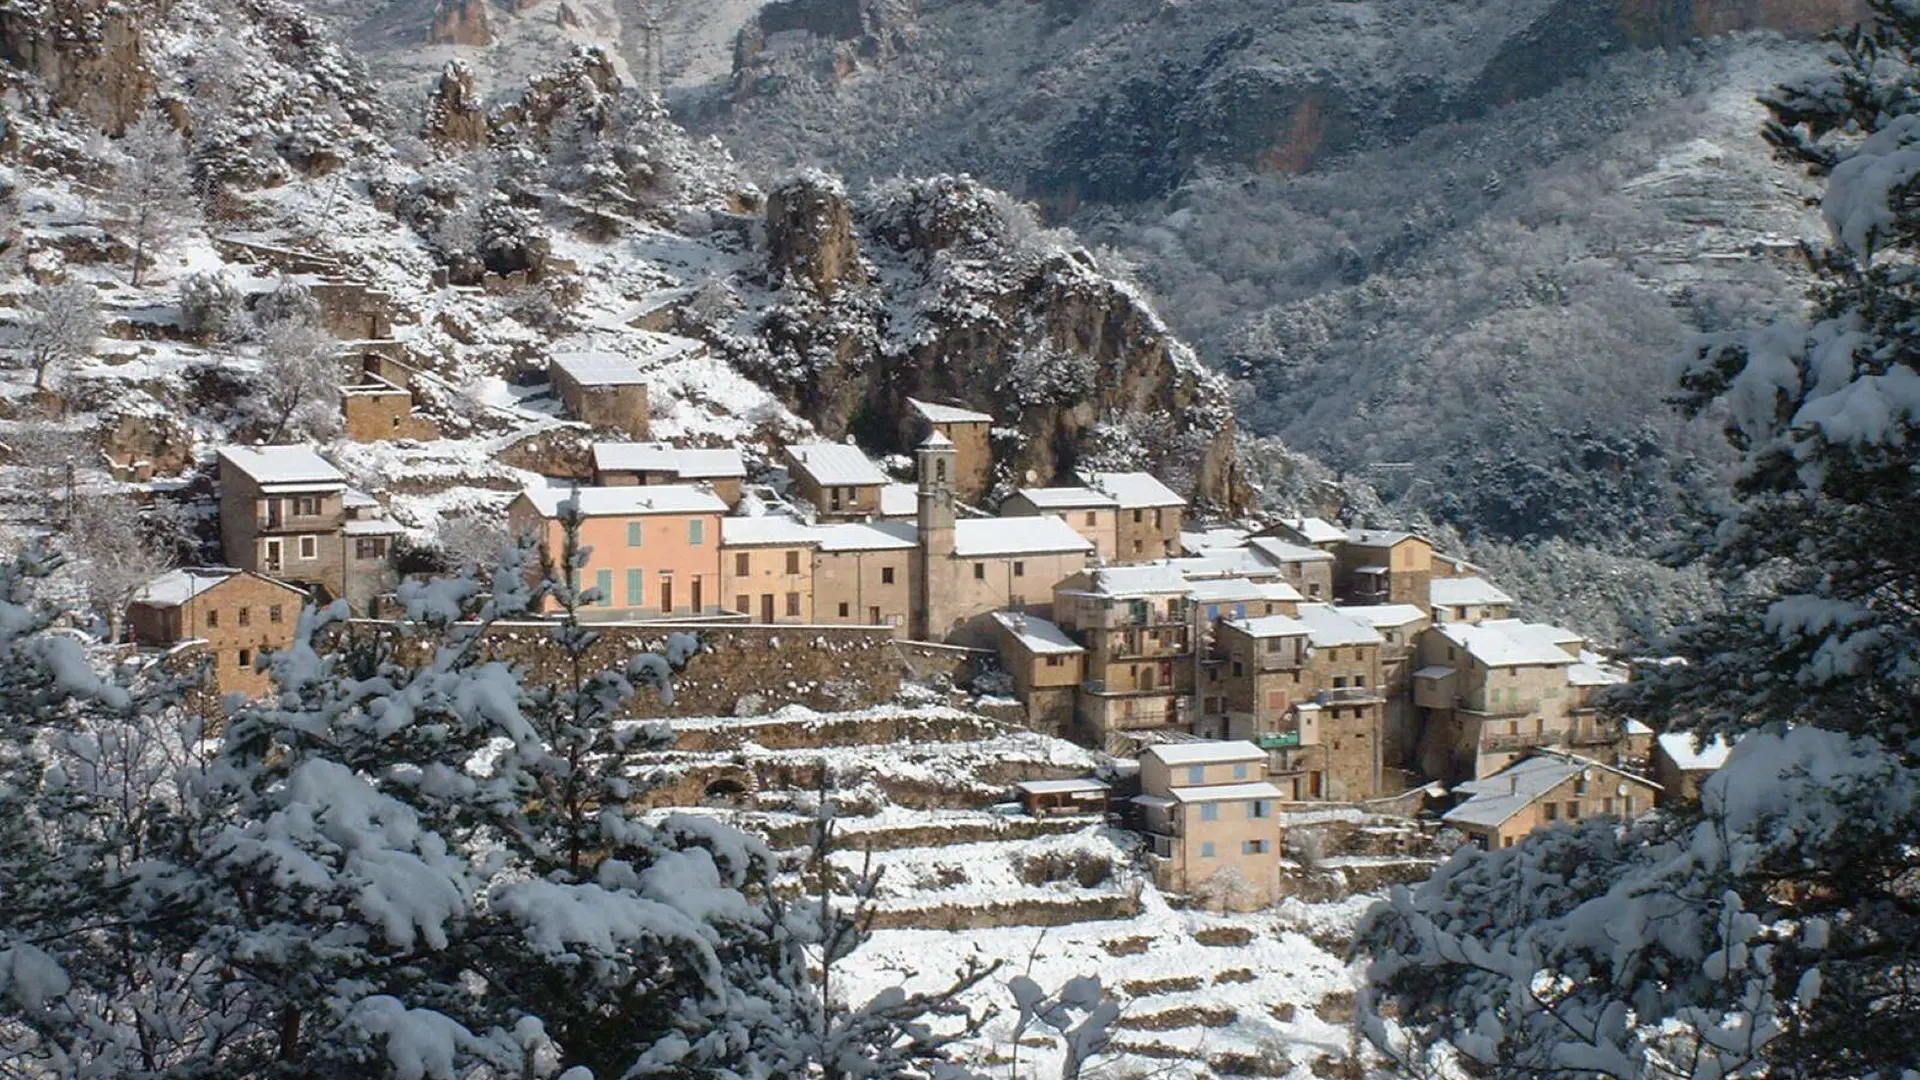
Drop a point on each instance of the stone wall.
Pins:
(927, 661)
(739, 670)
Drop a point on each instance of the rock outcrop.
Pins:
(460, 22)
(967, 300)
(810, 235)
(454, 114)
(87, 57)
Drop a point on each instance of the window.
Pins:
(1138, 517)
(1573, 810)
(742, 564)
(1460, 613)
(369, 547)
(213, 620)
(1253, 847)
(1210, 811)
(696, 532)
(1196, 774)
(979, 571)
(845, 611)
(1019, 569)
(1240, 770)
(1506, 841)
(636, 587)
(306, 506)
(1339, 681)
(309, 547)
(793, 605)
(886, 575)
(273, 613)
(1259, 808)
(1156, 518)
(940, 471)
(1606, 805)
(743, 603)
(1090, 518)
(1552, 811)
(793, 562)
(246, 617)
(1136, 547)
(603, 583)
(245, 657)
(1314, 589)
(1206, 849)
(1359, 680)
(1236, 668)
(1054, 661)
(636, 532)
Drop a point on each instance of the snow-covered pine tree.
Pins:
(1776, 930)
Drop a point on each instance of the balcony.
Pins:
(1280, 661)
(1511, 742)
(1496, 712)
(1348, 695)
(1163, 845)
(1278, 740)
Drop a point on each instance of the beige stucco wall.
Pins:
(766, 585)
(1098, 525)
(856, 579)
(1024, 581)
(856, 503)
(666, 553)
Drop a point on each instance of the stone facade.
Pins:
(1378, 567)
(618, 406)
(768, 580)
(864, 585)
(377, 410)
(239, 619)
(972, 438)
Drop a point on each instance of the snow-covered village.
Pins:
(850, 539)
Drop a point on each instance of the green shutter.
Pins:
(636, 588)
(603, 581)
(696, 531)
(633, 534)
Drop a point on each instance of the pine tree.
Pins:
(1775, 929)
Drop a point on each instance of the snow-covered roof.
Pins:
(1086, 785)
(1230, 590)
(899, 500)
(936, 441)
(273, 465)
(1258, 789)
(1205, 752)
(724, 463)
(1465, 591)
(1434, 671)
(1271, 626)
(1332, 627)
(935, 413)
(1316, 530)
(1203, 540)
(1689, 756)
(1134, 489)
(1379, 615)
(1379, 537)
(767, 529)
(1282, 551)
(1589, 671)
(985, 537)
(835, 464)
(627, 501)
(1068, 498)
(1224, 562)
(1037, 635)
(1496, 798)
(371, 527)
(176, 587)
(1494, 644)
(867, 536)
(355, 499)
(597, 368)
(1152, 579)
(1566, 640)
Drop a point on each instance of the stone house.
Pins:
(1136, 623)
(970, 568)
(1379, 566)
(1310, 532)
(238, 616)
(1307, 568)
(1210, 811)
(1400, 627)
(1093, 514)
(1046, 667)
(604, 390)
(1215, 599)
(1544, 789)
(1680, 764)
(283, 513)
(376, 410)
(766, 568)
(864, 574)
(617, 464)
(1467, 600)
(655, 550)
(1150, 515)
(971, 435)
(1054, 798)
(842, 483)
(1489, 692)
(1254, 678)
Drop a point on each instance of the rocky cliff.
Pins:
(943, 289)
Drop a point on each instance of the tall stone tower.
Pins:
(938, 464)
